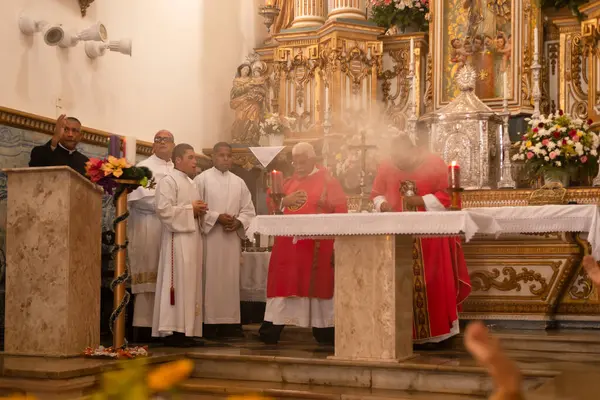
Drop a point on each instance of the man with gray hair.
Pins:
(300, 279)
(144, 230)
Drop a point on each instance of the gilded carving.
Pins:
(553, 56)
(511, 280)
(428, 97)
(356, 64)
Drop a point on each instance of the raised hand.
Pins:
(59, 129)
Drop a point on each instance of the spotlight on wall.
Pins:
(96, 32)
(95, 50)
(53, 34)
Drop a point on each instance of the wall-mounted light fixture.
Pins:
(95, 49)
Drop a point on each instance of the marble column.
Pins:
(308, 13)
(373, 297)
(53, 262)
(348, 9)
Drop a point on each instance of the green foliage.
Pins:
(388, 15)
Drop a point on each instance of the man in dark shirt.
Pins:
(62, 148)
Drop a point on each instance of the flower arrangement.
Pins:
(400, 13)
(558, 141)
(107, 172)
(274, 124)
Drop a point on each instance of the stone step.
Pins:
(198, 388)
(560, 343)
(421, 374)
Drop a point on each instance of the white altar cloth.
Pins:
(444, 223)
(545, 219)
(253, 276)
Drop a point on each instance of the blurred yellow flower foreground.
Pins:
(134, 382)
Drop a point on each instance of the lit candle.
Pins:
(269, 3)
(412, 51)
(505, 90)
(536, 49)
(276, 182)
(454, 175)
(114, 146)
(130, 150)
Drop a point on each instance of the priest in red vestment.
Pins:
(300, 280)
(441, 279)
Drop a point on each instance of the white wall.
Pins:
(185, 53)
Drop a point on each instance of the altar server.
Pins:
(230, 212)
(178, 303)
(144, 231)
(440, 262)
(300, 280)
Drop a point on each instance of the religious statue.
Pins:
(248, 99)
(286, 15)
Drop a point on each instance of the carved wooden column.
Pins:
(308, 13)
(349, 9)
(590, 33)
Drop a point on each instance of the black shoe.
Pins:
(210, 331)
(179, 340)
(230, 331)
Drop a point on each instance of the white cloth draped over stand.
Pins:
(546, 219)
(253, 276)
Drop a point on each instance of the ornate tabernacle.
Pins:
(467, 131)
(551, 193)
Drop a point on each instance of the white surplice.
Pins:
(180, 265)
(224, 193)
(143, 232)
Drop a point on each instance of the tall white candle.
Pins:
(130, 151)
(412, 51)
(536, 49)
(505, 81)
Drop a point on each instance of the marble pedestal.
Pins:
(373, 297)
(53, 252)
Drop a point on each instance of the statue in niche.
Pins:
(286, 15)
(248, 99)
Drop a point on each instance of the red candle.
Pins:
(276, 182)
(454, 175)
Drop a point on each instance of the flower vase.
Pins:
(276, 139)
(557, 175)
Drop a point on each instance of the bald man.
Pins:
(144, 231)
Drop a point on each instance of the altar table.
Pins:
(373, 272)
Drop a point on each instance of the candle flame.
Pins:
(454, 163)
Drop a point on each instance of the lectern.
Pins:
(53, 251)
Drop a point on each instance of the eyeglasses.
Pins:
(163, 140)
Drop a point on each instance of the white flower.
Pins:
(522, 156)
(594, 152)
(515, 157)
(551, 145)
(546, 158)
(579, 149)
(558, 163)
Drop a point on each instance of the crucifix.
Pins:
(363, 147)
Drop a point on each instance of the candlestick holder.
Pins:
(455, 198)
(506, 181)
(536, 93)
(277, 198)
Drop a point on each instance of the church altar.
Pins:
(373, 271)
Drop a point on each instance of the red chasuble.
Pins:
(304, 268)
(441, 280)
